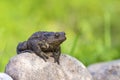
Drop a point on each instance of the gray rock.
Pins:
(28, 66)
(4, 76)
(106, 70)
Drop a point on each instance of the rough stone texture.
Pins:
(106, 70)
(28, 66)
(4, 76)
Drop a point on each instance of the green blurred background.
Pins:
(92, 26)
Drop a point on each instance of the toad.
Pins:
(41, 43)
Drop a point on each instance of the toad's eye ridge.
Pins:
(47, 34)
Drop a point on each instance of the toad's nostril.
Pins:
(63, 33)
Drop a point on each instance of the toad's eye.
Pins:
(57, 35)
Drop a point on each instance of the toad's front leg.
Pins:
(56, 55)
(34, 46)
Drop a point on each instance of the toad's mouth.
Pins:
(57, 41)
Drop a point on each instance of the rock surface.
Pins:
(4, 76)
(28, 66)
(106, 70)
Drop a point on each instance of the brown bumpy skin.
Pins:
(43, 42)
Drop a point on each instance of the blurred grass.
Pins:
(92, 26)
